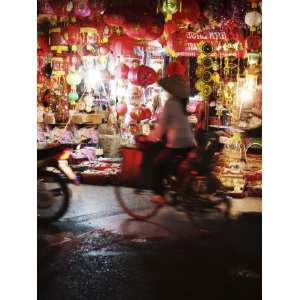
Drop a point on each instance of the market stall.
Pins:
(99, 61)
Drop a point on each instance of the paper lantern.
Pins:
(253, 18)
(122, 71)
(123, 45)
(177, 41)
(253, 42)
(73, 97)
(114, 18)
(122, 109)
(74, 78)
(81, 8)
(135, 28)
(189, 14)
(175, 68)
(154, 28)
(142, 75)
(71, 34)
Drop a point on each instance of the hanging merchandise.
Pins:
(142, 76)
(188, 13)
(253, 17)
(57, 41)
(121, 109)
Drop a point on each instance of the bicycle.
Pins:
(190, 186)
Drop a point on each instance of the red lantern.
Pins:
(253, 43)
(114, 18)
(175, 68)
(135, 29)
(81, 8)
(122, 109)
(122, 71)
(154, 28)
(72, 34)
(46, 8)
(142, 76)
(42, 43)
(189, 14)
(123, 45)
(170, 27)
(177, 41)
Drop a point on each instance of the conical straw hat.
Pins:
(175, 85)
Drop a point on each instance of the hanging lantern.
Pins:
(154, 28)
(189, 13)
(114, 18)
(253, 43)
(177, 41)
(122, 109)
(175, 68)
(123, 45)
(57, 41)
(74, 78)
(170, 27)
(122, 71)
(169, 7)
(81, 8)
(135, 28)
(73, 97)
(142, 75)
(253, 19)
(72, 35)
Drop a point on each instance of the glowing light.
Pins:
(92, 77)
(246, 94)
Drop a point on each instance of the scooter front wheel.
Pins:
(53, 197)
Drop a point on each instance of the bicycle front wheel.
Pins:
(136, 203)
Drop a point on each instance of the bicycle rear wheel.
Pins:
(136, 203)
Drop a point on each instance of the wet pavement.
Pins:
(97, 252)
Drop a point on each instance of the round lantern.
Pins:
(122, 71)
(81, 8)
(73, 97)
(122, 109)
(154, 28)
(57, 41)
(177, 41)
(170, 27)
(123, 45)
(113, 18)
(74, 78)
(142, 75)
(135, 28)
(253, 42)
(175, 68)
(190, 12)
(253, 18)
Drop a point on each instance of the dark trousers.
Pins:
(162, 165)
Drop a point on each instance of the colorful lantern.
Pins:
(122, 109)
(73, 97)
(253, 42)
(142, 75)
(81, 8)
(74, 78)
(170, 27)
(135, 28)
(72, 34)
(253, 18)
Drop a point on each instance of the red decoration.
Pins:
(177, 41)
(154, 28)
(135, 113)
(135, 29)
(114, 18)
(60, 7)
(89, 32)
(123, 45)
(142, 75)
(189, 14)
(42, 43)
(234, 31)
(253, 42)
(175, 68)
(41, 77)
(145, 113)
(81, 8)
(71, 34)
(170, 27)
(46, 8)
(122, 109)
(122, 71)
(97, 7)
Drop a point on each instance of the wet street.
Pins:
(97, 252)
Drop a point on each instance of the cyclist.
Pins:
(174, 127)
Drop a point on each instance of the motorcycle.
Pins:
(53, 195)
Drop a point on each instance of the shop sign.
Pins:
(190, 41)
